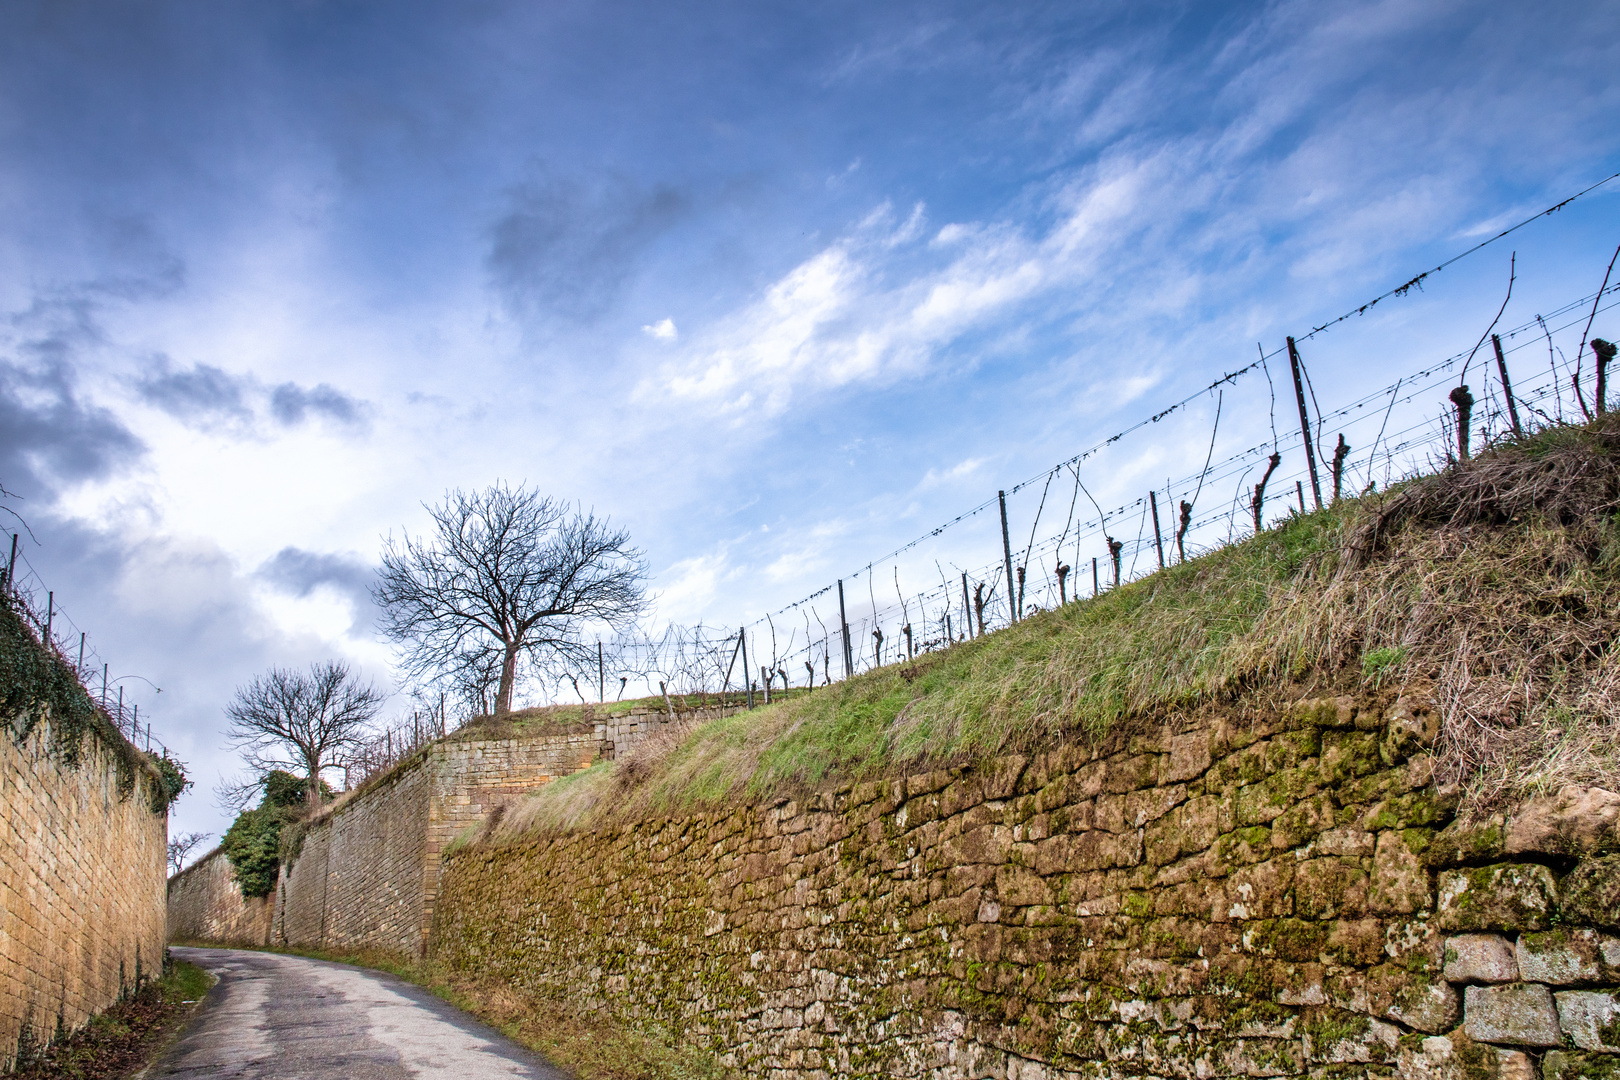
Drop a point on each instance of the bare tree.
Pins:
(181, 847)
(301, 722)
(511, 570)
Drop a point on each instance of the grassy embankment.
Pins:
(1493, 586)
(120, 1041)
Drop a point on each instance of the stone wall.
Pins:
(205, 904)
(81, 883)
(358, 879)
(367, 873)
(1219, 896)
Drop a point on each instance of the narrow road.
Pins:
(274, 1017)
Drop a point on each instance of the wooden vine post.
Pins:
(1006, 556)
(1304, 421)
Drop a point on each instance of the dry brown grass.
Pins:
(1499, 581)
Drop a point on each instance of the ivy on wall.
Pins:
(35, 684)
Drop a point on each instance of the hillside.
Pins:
(1492, 585)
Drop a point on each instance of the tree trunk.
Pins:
(312, 791)
(503, 697)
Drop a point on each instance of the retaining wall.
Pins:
(206, 904)
(1216, 897)
(367, 874)
(82, 859)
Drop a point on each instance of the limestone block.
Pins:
(1562, 957)
(1592, 893)
(1346, 1037)
(1400, 884)
(1506, 896)
(1576, 821)
(1427, 1006)
(1518, 1014)
(1573, 1065)
(1457, 1057)
(1189, 757)
(1465, 842)
(1591, 1018)
(1480, 958)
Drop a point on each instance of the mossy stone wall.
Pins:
(1213, 897)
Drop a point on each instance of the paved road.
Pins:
(274, 1017)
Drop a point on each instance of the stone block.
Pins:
(1591, 1018)
(1480, 958)
(1566, 956)
(1189, 757)
(1592, 893)
(1574, 1065)
(1518, 1014)
(1323, 888)
(1506, 896)
(1400, 884)
(1576, 821)
(1335, 1036)
(1462, 843)
(1425, 1005)
(1457, 1057)
(1409, 727)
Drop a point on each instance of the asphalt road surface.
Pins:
(273, 1017)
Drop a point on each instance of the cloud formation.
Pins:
(206, 397)
(299, 573)
(291, 404)
(565, 248)
(199, 395)
(51, 436)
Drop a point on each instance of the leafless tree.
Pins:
(508, 570)
(181, 847)
(302, 722)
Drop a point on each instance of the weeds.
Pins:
(121, 1040)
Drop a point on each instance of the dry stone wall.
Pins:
(1217, 897)
(81, 885)
(206, 904)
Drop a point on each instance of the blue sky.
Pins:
(779, 287)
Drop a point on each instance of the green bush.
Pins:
(253, 842)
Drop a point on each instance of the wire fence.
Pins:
(1270, 451)
(36, 605)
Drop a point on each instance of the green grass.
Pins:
(1492, 589)
(1185, 634)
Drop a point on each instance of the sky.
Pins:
(778, 288)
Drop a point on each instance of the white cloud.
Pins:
(935, 477)
(664, 330)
